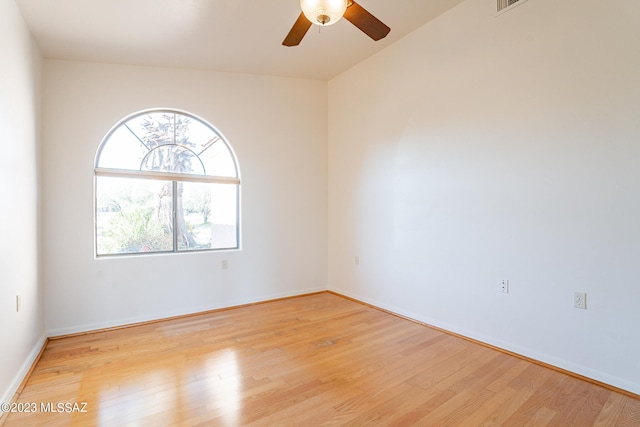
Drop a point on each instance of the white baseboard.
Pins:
(115, 323)
(24, 370)
(528, 353)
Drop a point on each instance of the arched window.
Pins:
(165, 181)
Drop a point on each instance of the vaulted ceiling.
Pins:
(242, 36)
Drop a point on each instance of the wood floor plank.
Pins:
(316, 360)
(630, 414)
(505, 402)
(611, 411)
(541, 417)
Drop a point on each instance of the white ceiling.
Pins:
(242, 36)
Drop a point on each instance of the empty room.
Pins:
(223, 212)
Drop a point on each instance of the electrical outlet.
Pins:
(580, 300)
(503, 286)
(224, 264)
(18, 303)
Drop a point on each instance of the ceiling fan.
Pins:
(328, 12)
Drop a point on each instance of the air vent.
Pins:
(503, 4)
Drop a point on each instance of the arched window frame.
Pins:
(208, 177)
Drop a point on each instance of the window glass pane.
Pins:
(200, 136)
(133, 215)
(218, 160)
(153, 129)
(172, 158)
(208, 216)
(123, 151)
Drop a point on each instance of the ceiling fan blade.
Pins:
(297, 32)
(365, 21)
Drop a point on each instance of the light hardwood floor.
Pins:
(314, 360)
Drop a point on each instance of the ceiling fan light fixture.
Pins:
(323, 12)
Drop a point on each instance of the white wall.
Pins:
(485, 147)
(278, 129)
(20, 74)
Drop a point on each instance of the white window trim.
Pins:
(166, 176)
